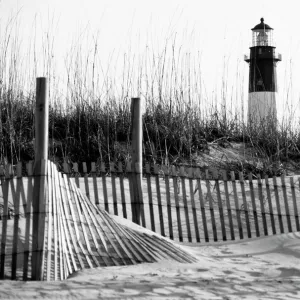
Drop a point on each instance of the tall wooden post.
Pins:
(135, 176)
(40, 181)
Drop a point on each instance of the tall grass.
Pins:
(90, 109)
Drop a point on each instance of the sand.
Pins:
(262, 268)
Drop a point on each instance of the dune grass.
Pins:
(90, 109)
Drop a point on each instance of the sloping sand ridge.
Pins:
(265, 268)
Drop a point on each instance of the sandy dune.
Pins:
(263, 268)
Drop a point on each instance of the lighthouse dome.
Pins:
(262, 25)
(262, 35)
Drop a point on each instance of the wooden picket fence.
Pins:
(75, 233)
(183, 204)
(188, 205)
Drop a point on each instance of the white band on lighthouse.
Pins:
(262, 105)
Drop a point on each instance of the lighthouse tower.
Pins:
(262, 74)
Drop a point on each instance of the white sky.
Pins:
(218, 29)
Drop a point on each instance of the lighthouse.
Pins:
(262, 74)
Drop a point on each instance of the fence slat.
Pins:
(22, 189)
(131, 192)
(103, 172)
(270, 204)
(165, 169)
(95, 186)
(159, 204)
(76, 171)
(86, 179)
(228, 205)
(59, 229)
(66, 168)
(220, 204)
(66, 249)
(121, 178)
(114, 188)
(149, 188)
(211, 207)
(186, 210)
(237, 207)
(245, 204)
(16, 201)
(203, 215)
(295, 202)
(262, 205)
(286, 204)
(175, 186)
(9, 172)
(5, 188)
(278, 204)
(253, 205)
(2, 172)
(196, 226)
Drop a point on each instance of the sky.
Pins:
(219, 32)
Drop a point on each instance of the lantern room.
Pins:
(262, 35)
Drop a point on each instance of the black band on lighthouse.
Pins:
(263, 60)
(262, 69)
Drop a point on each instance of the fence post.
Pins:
(135, 177)
(40, 173)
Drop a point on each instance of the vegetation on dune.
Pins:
(91, 120)
(91, 133)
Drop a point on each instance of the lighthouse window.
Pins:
(262, 39)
